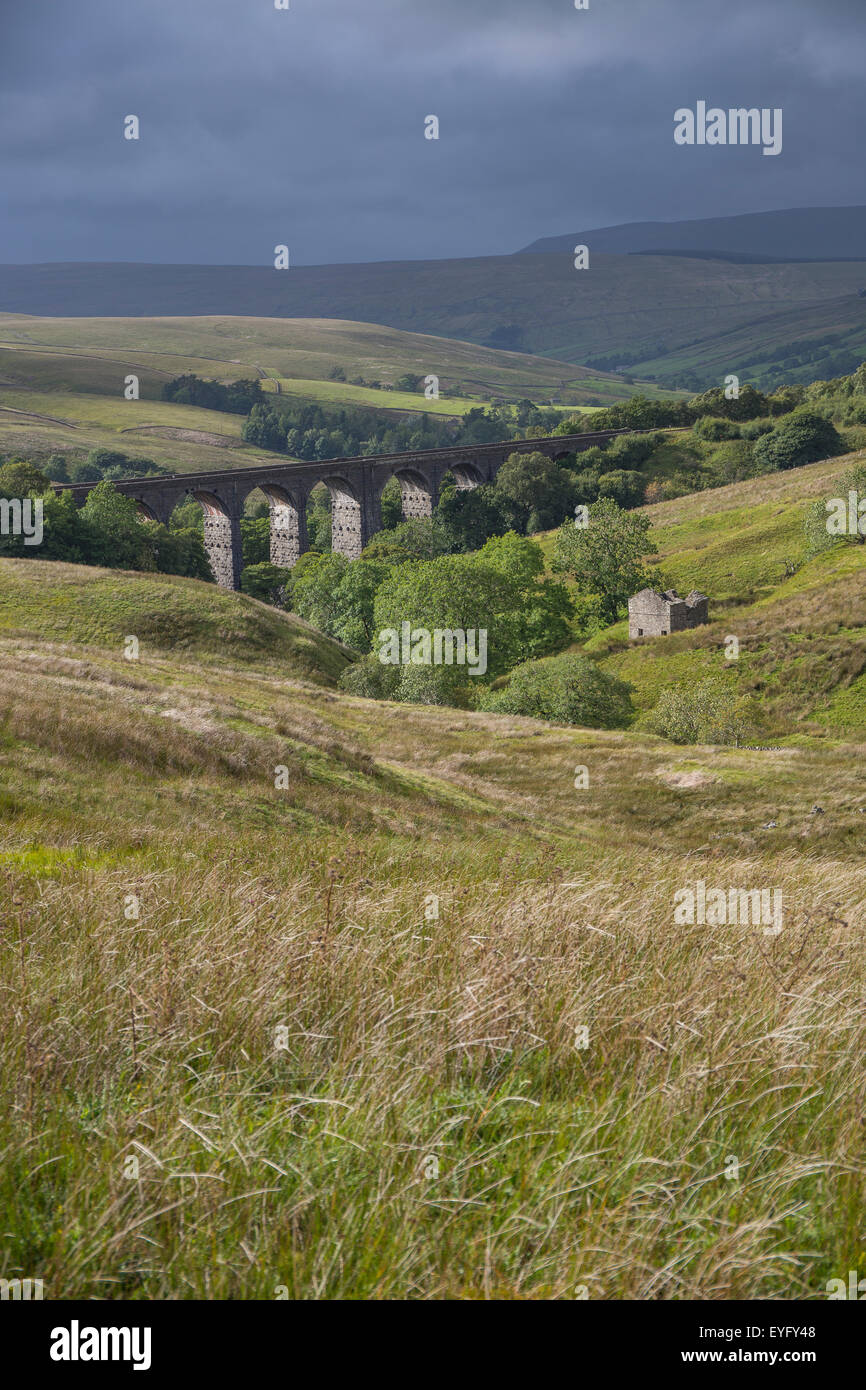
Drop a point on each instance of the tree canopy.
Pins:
(606, 556)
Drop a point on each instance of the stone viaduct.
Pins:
(355, 485)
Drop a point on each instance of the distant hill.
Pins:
(668, 316)
(818, 234)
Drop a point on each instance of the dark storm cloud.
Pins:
(261, 126)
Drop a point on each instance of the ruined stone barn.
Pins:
(653, 614)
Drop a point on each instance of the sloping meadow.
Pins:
(319, 997)
(799, 619)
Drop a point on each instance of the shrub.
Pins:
(707, 712)
(436, 685)
(255, 539)
(785, 399)
(453, 592)
(115, 535)
(753, 429)
(631, 450)
(85, 473)
(715, 428)
(20, 478)
(565, 689)
(748, 404)
(637, 413)
(416, 538)
(178, 550)
(57, 469)
(111, 465)
(235, 397)
(101, 459)
(818, 538)
(538, 488)
(314, 589)
(820, 533)
(733, 461)
(593, 460)
(626, 487)
(804, 437)
(606, 557)
(541, 608)
(586, 486)
(187, 515)
(370, 679)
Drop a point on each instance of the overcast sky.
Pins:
(306, 126)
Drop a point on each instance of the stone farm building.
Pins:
(651, 614)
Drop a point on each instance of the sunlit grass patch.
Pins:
(46, 861)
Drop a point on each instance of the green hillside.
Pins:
(800, 620)
(360, 999)
(96, 353)
(626, 309)
(48, 602)
(416, 987)
(183, 439)
(796, 345)
(337, 393)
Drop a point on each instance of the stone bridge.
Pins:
(355, 485)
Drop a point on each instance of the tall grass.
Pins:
(342, 1040)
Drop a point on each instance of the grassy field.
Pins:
(338, 393)
(95, 354)
(414, 1019)
(184, 439)
(297, 389)
(118, 415)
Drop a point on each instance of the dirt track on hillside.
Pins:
(219, 441)
(46, 419)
